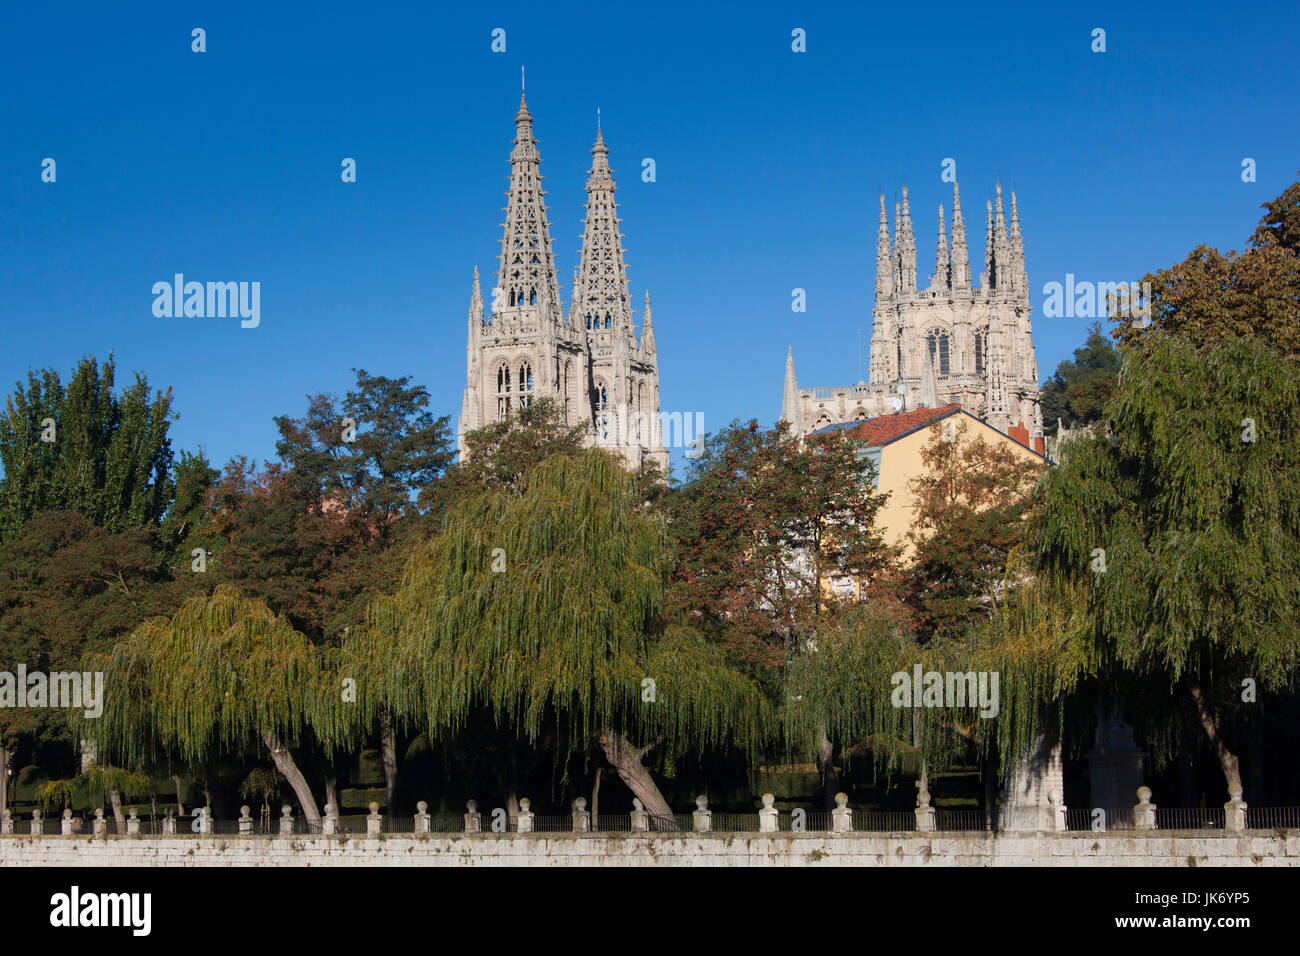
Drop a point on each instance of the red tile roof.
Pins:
(887, 428)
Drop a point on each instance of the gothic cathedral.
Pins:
(592, 363)
(951, 342)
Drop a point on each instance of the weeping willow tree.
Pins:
(1173, 543)
(541, 603)
(222, 676)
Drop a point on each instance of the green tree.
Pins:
(971, 502)
(1078, 390)
(223, 675)
(542, 602)
(761, 522)
(86, 449)
(1172, 549)
(67, 589)
(1211, 297)
(498, 454)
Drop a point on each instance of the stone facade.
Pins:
(591, 362)
(950, 342)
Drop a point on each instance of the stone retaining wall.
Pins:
(1168, 848)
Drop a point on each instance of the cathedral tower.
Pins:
(591, 363)
(949, 342)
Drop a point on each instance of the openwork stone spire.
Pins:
(905, 243)
(960, 254)
(884, 262)
(600, 293)
(941, 271)
(1019, 275)
(987, 279)
(648, 330)
(475, 303)
(527, 277)
(1000, 274)
(790, 411)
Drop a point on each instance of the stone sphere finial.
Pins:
(1144, 794)
(768, 800)
(580, 803)
(841, 800)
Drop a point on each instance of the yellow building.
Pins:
(893, 444)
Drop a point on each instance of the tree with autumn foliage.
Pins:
(1214, 297)
(971, 500)
(761, 522)
(323, 531)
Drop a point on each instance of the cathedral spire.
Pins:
(884, 262)
(1017, 249)
(475, 307)
(961, 267)
(527, 278)
(942, 274)
(790, 411)
(600, 293)
(987, 279)
(906, 244)
(648, 331)
(1000, 274)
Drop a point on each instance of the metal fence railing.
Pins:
(812, 821)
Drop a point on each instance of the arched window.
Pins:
(981, 347)
(565, 388)
(607, 320)
(503, 392)
(602, 411)
(899, 341)
(525, 385)
(937, 343)
(532, 297)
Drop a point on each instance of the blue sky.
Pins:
(225, 166)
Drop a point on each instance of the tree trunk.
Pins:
(180, 808)
(285, 763)
(332, 792)
(918, 741)
(830, 776)
(388, 747)
(626, 759)
(991, 792)
(595, 800)
(1227, 759)
(115, 798)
